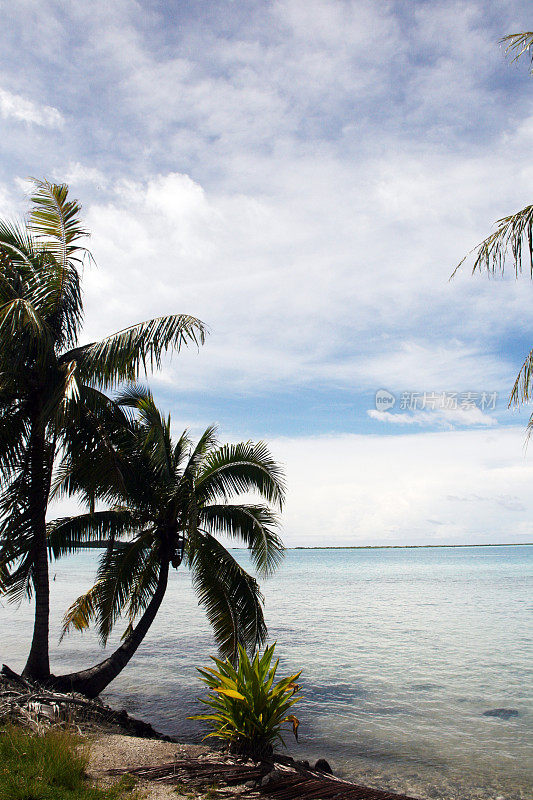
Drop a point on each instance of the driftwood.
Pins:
(278, 780)
(38, 708)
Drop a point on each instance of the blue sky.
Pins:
(303, 176)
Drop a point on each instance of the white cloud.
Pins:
(304, 178)
(14, 106)
(444, 418)
(76, 173)
(364, 489)
(293, 293)
(459, 487)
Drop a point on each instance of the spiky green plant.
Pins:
(249, 710)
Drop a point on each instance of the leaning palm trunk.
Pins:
(94, 680)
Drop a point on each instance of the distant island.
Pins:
(399, 546)
(100, 544)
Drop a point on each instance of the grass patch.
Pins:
(47, 767)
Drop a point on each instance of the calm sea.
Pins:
(402, 651)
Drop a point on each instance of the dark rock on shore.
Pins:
(323, 766)
(272, 777)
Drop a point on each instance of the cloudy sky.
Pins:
(303, 175)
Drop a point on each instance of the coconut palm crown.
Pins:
(51, 388)
(170, 500)
(512, 240)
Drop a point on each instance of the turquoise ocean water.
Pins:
(402, 651)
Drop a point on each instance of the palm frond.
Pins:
(122, 356)
(253, 525)
(16, 534)
(17, 583)
(143, 589)
(82, 612)
(4, 577)
(512, 237)
(133, 395)
(92, 462)
(181, 449)
(19, 318)
(17, 244)
(245, 467)
(517, 44)
(204, 446)
(231, 598)
(522, 389)
(56, 219)
(69, 534)
(14, 434)
(118, 573)
(64, 391)
(153, 429)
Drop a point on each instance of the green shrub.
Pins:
(46, 767)
(248, 710)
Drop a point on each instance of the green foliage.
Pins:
(171, 503)
(513, 238)
(48, 767)
(514, 232)
(51, 389)
(249, 710)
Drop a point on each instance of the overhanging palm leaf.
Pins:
(518, 44)
(82, 611)
(522, 389)
(143, 589)
(66, 535)
(244, 467)
(120, 569)
(514, 236)
(231, 598)
(255, 526)
(122, 356)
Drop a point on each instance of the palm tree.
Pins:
(514, 236)
(51, 387)
(170, 500)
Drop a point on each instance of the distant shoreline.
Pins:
(404, 546)
(100, 545)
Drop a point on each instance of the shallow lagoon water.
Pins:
(402, 651)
